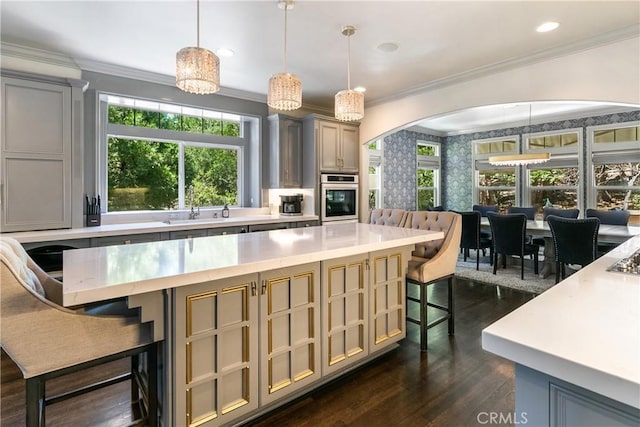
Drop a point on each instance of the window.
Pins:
(155, 153)
(428, 174)
(615, 166)
(556, 182)
(495, 185)
(375, 174)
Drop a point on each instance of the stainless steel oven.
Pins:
(339, 197)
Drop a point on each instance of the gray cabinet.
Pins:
(267, 227)
(221, 231)
(126, 239)
(36, 155)
(301, 224)
(188, 234)
(338, 146)
(284, 157)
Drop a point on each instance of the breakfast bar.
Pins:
(251, 321)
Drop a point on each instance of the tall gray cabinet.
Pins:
(284, 162)
(36, 167)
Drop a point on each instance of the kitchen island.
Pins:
(251, 321)
(577, 348)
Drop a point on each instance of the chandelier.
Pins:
(285, 89)
(349, 104)
(197, 69)
(520, 159)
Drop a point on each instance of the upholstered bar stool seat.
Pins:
(389, 217)
(433, 262)
(47, 340)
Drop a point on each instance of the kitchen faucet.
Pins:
(193, 214)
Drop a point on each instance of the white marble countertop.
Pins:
(584, 330)
(99, 273)
(152, 227)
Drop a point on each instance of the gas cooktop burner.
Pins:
(629, 265)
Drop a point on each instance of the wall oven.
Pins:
(339, 197)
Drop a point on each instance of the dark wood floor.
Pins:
(450, 385)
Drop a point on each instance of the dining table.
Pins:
(606, 233)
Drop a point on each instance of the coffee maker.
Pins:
(291, 205)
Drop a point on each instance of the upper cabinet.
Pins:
(36, 155)
(284, 163)
(337, 145)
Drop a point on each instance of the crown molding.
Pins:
(626, 33)
(12, 50)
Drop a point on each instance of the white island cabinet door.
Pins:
(216, 351)
(289, 330)
(387, 324)
(345, 311)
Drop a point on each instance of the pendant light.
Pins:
(520, 159)
(349, 104)
(285, 89)
(197, 69)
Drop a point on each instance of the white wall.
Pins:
(608, 73)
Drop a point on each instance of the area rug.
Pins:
(509, 277)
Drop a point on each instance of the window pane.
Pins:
(373, 199)
(537, 142)
(121, 115)
(147, 119)
(565, 198)
(617, 135)
(625, 174)
(554, 177)
(170, 121)
(142, 175)
(192, 124)
(213, 172)
(609, 199)
(495, 147)
(231, 129)
(497, 177)
(501, 198)
(212, 126)
(569, 139)
(426, 150)
(425, 198)
(426, 178)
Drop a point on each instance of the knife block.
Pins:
(93, 220)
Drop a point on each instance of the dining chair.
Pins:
(471, 238)
(483, 209)
(563, 213)
(530, 212)
(613, 217)
(508, 233)
(575, 241)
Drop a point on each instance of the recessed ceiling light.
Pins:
(547, 26)
(388, 47)
(360, 89)
(223, 51)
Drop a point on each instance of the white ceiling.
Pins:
(439, 41)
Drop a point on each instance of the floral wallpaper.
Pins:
(399, 181)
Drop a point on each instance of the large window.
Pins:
(376, 160)
(615, 166)
(428, 174)
(556, 182)
(157, 153)
(495, 185)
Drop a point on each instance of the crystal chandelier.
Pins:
(285, 89)
(349, 104)
(197, 69)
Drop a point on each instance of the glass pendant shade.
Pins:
(197, 70)
(285, 92)
(349, 105)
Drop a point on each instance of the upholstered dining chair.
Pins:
(47, 340)
(388, 217)
(563, 213)
(575, 241)
(484, 209)
(614, 217)
(508, 233)
(471, 238)
(530, 212)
